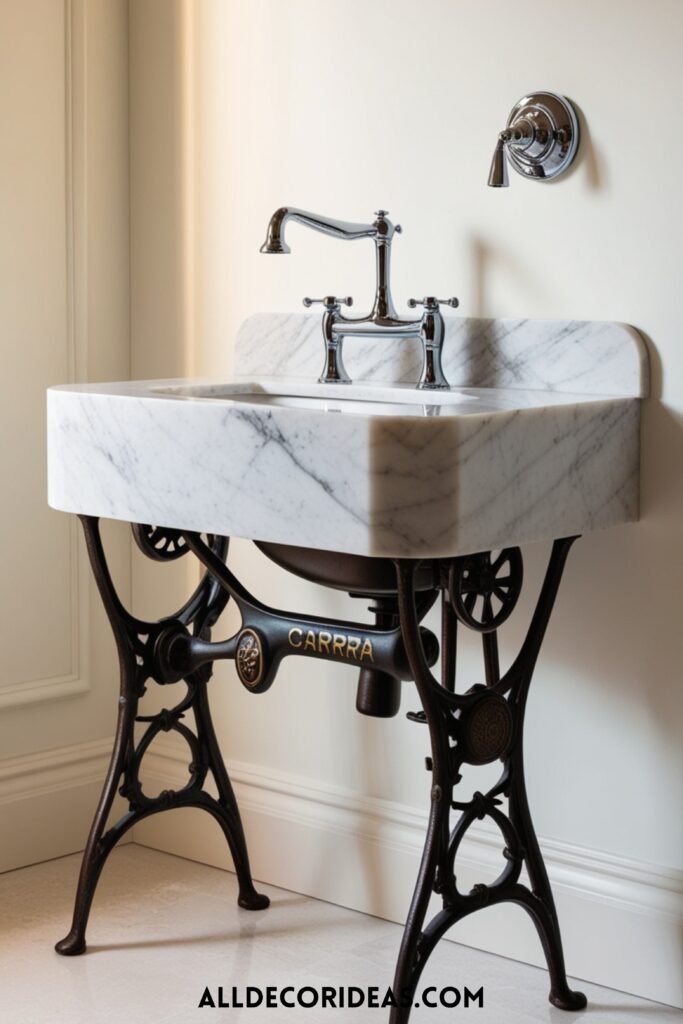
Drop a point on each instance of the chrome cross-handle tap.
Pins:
(382, 321)
(329, 302)
(432, 330)
(429, 302)
(334, 371)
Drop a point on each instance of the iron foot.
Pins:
(72, 944)
(253, 900)
(566, 999)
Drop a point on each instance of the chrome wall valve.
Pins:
(540, 139)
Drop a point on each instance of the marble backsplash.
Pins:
(577, 356)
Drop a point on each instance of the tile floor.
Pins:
(164, 928)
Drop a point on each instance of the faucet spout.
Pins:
(347, 230)
(382, 320)
(381, 231)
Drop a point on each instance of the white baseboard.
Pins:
(622, 921)
(47, 801)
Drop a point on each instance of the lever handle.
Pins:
(430, 302)
(330, 301)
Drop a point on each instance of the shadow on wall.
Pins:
(589, 161)
(616, 631)
(485, 259)
(633, 594)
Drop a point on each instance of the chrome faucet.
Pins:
(383, 320)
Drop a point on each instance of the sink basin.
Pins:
(368, 469)
(359, 400)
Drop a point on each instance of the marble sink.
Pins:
(520, 449)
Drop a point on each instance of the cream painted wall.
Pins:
(64, 315)
(348, 105)
(160, 33)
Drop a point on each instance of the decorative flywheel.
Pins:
(161, 543)
(484, 588)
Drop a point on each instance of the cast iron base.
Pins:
(482, 725)
(135, 642)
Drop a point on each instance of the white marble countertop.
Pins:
(373, 468)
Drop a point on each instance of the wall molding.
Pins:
(21, 692)
(362, 852)
(47, 771)
(77, 680)
(60, 785)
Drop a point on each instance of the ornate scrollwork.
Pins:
(476, 727)
(167, 720)
(144, 654)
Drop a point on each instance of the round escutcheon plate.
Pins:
(555, 120)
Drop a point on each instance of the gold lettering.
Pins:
(338, 644)
(366, 650)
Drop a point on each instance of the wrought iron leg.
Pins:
(136, 642)
(413, 952)
(225, 809)
(539, 903)
(98, 847)
(478, 727)
(412, 955)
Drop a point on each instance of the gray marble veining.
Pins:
(580, 356)
(365, 468)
